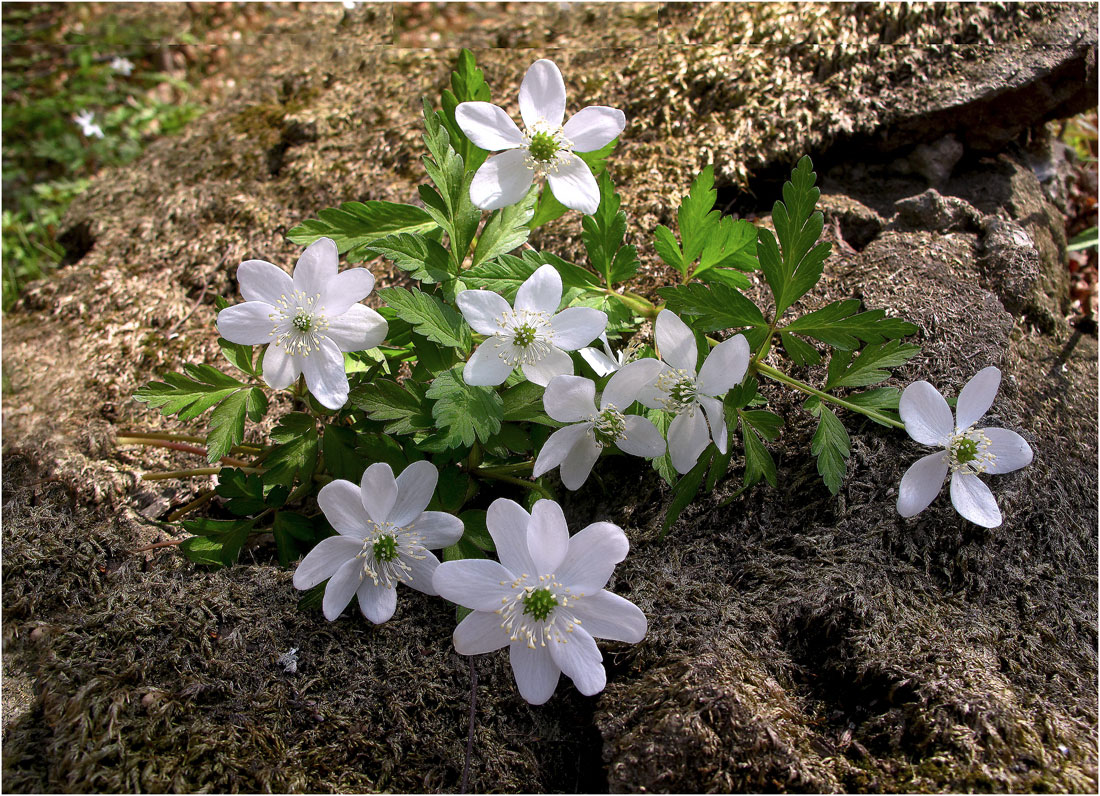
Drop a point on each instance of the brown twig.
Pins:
(178, 446)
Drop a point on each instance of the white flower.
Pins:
(571, 399)
(678, 389)
(308, 320)
(384, 538)
(606, 361)
(967, 452)
(533, 335)
(122, 65)
(546, 147)
(86, 121)
(546, 599)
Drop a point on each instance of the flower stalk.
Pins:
(783, 378)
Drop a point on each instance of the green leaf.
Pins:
(765, 422)
(712, 307)
(687, 488)
(869, 365)
(424, 258)
(227, 421)
(838, 325)
(462, 550)
(603, 233)
(342, 459)
(356, 225)
(386, 400)
(429, 316)
(239, 356)
(524, 403)
(758, 459)
(663, 464)
(475, 529)
(668, 248)
(506, 230)
(462, 412)
(245, 494)
(290, 530)
(375, 447)
(296, 454)
(190, 394)
(729, 244)
(467, 85)
(696, 216)
(800, 352)
(726, 276)
(507, 272)
(313, 599)
(832, 446)
(450, 205)
(217, 543)
(878, 398)
(742, 395)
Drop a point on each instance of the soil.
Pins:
(798, 641)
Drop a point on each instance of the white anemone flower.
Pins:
(689, 395)
(545, 149)
(85, 120)
(124, 66)
(533, 335)
(968, 451)
(308, 320)
(571, 399)
(606, 361)
(545, 600)
(384, 535)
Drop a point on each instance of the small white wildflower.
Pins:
(606, 361)
(289, 660)
(124, 66)
(86, 121)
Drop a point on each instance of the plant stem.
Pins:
(505, 469)
(783, 378)
(639, 304)
(158, 545)
(164, 435)
(178, 446)
(532, 485)
(198, 502)
(189, 473)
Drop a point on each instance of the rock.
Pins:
(935, 161)
(935, 213)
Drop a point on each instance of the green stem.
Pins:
(532, 485)
(505, 469)
(163, 435)
(783, 378)
(189, 473)
(638, 304)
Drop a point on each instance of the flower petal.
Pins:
(357, 329)
(473, 582)
(341, 588)
(415, 486)
(568, 399)
(600, 362)
(573, 185)
(594, 127)
(489, 126)
(716, 419)
(578, 462)
(558, 446)
(345, 290)
(317, 266)
(483, 310)
(577, 326)
(541, 291)
(247, 324)
(478, 633)
(502, 180)
(973, 500)
(651, 396)
(438, 529)
(325, 376)
(542, 95)
(607, 615)
(487, 368)
(555, 363)
(642, 438)
(580, 659)
(1010, 451)
(593, 554)
(378, 491)
(422, 572)
(547, 536)
(921, 483)
(376, 601)
(926, 415)
(688, 436)
(623, 388)
(507, 522)
(342, 505)
(263, 281)
(724, 367)
(280, 368)
(976, 397)
(675, 342)
(324, 559)
(535, 671)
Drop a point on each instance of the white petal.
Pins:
(341, 588)
(473, 582)
(593, 554)
(487, 368)
(325, 376)
(488, 126)
(541, 291)
(652, 397)
(558, 446)
(247, 324)
(415, 486)
(976, 397)
(507, 522)
(377, 602)
(568, 399)
(535, 671)
(594, 127)
(342, 506)
(324, 559)
(318, 264)
(675, 342)
(926, 414)
(263, 281)
(573, 185)
(478, 633)
(725, 366)
(483, 310)
(642, 438)
(422, 570)
(378, 491)
(1009, 449)
(280, 368)
(688, 436)
(973, 500)
(555, 363)
(624, 387)
(502, 180)
(547, 536)
(921, 483)
(716, 419)
(438, 529)
(542, 95)
(580, 659)
(578, 463)
(607, 615)
(577, 326)
(357, 329)
(600, 362)
(345, 290)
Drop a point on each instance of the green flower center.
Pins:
(524, 335)
(302, 321)
(608, 426)
(539, 603)
(543, 147)
(965, 450)
(385, 548)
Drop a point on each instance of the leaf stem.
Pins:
(783, 378)
(197, 503)
(190, 473)
(178, 446)
(639, 304)
(505, 469)
(164, 435)
(534, 486)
